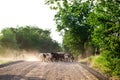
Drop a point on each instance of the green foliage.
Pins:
(106, 21)
(91, 20)
(100, 64)
(71, 19)
(113, 64)
(28, 37)
(8, 38)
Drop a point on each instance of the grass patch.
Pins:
(5, 62)
(97, 62)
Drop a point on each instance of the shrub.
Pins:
(113, 63)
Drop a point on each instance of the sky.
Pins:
(28, 12)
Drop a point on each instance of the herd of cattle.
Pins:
(55, 57)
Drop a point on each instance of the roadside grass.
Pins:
(5, 62)
(96, 62)
(99, 63)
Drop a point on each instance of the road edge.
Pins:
(94, 72)
(10, 63)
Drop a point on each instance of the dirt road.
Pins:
(45, 71)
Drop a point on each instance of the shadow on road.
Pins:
(18, 77)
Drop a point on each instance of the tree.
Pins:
(8, 38)
(71, 19)
(29, 37)
(106, 21)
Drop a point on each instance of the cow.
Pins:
(45, 57)
(57, 57)
(42, 57)
(48, 57)
(68, 57)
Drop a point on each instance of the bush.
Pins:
(99, 63)
(113, 63)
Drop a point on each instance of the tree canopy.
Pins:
(28, 37)
(106, 21)
(71, 19)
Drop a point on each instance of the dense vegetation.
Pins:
(106, 21)
(94, 23)
(28, 38)
(72, 20)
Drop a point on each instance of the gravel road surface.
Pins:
(35, 70)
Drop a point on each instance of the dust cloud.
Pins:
(19, 55)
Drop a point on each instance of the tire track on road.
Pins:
(24, 71)
(13, 69)
(39, 71)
